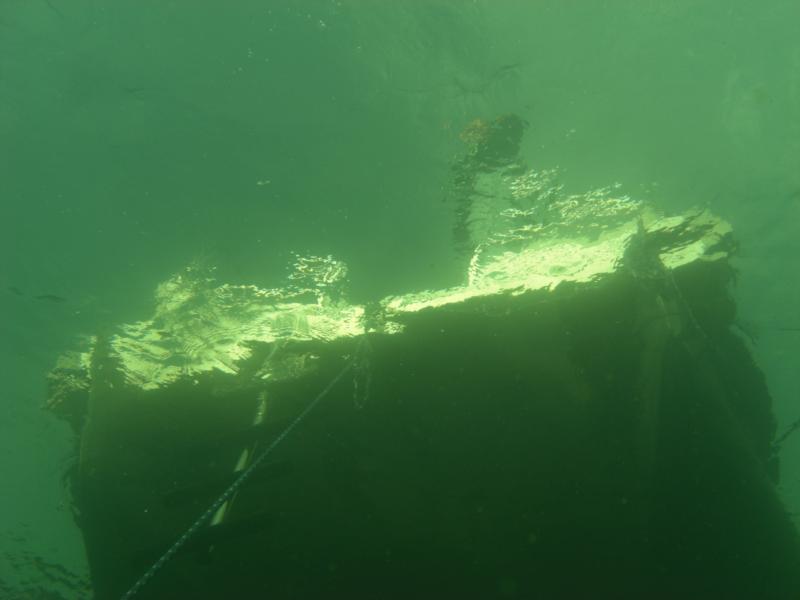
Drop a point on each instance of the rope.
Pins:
(776, 445)
(234, 487)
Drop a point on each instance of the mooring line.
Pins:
(234, 487)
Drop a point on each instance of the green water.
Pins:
(138, 136)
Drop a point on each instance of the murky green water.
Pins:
(137, 136)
